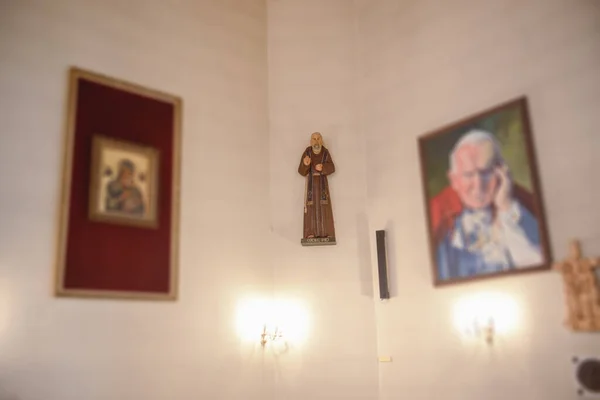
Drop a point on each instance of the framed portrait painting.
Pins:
(124, 183)
(483, 199)
(119, 214)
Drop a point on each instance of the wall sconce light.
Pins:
(486, 330)
(266, 321)
(486, 315)
(267, 336)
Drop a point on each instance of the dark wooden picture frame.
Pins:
(483, 199)
(103, 255)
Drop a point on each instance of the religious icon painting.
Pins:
(119, 213)
(482, 197)
(124, 183)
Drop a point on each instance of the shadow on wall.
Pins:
(363, 249)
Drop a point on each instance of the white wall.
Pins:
(212, 54)
(428, 63)
(312, 75)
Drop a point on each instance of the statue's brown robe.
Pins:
(318, 214)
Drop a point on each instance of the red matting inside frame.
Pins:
(104, 256)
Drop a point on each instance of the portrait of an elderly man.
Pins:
(482, 222)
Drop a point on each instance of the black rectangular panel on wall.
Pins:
(384, 292)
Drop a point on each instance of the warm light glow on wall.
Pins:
(479, 313)
(252, 314)
(284, 316)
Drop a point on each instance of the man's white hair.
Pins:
(476, 136)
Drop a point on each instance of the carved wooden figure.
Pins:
(582, 291)
(316, 164)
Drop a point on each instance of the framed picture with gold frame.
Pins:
(119, 214)
(124, 183)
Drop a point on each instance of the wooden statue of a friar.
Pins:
(316, 164)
